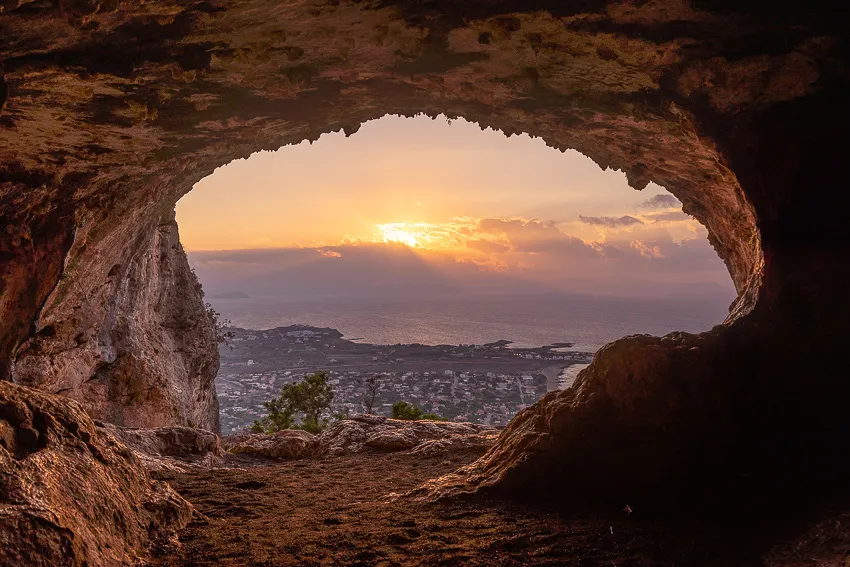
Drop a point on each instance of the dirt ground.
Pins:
(340, 512)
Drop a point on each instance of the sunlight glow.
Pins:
(403, 233)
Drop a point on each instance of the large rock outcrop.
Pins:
(180, 442)
(684, 421)
(69, 493)
(110, 111)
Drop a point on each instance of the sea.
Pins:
(588, 322)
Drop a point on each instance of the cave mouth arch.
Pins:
(113, 112)
(436, 232)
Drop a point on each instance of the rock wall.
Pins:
(112, 111)
(135, 348)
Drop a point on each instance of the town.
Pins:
(487, 383)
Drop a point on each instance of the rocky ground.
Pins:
(351, 508)
(366, 492)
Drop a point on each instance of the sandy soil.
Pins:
(341, 512)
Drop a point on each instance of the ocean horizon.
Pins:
(589, 322)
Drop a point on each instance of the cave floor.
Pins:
(340, 512)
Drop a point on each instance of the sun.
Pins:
(393, 233)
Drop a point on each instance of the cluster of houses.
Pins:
(482, 397)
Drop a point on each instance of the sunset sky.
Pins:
(425, 204)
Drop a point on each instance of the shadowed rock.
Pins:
(186, 442)
(169, 448)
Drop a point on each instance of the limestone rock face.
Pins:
(288, 444)
(70, 494)
(151, 357)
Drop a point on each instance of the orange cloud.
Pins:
(487, 246)
(329, 253)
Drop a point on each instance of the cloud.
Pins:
(468, 255)
(647, 249)
(531, 236)
(487, 246)
(661, 202)
(329, 253)
(611, 222)
(519, 230)
(670, 216)
(351, 271)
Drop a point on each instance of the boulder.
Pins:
(287, 444)
(364, 432)
(391, 441)
(346, 437)
(71, 494)
(182, 442)
(478, 442)
(169, 449)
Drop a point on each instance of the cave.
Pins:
(111, 112)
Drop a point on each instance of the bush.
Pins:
(300, 406)
(409, 412)
(223, 334)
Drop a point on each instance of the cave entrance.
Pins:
(112, 111)
(418, 233)
(96, 290)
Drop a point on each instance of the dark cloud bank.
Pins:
(547, 263)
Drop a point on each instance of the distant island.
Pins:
(487, 383)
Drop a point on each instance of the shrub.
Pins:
(409, 412)
(406, 411)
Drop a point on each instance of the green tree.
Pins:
(307, 399)
(409, 412)
(281, 415)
